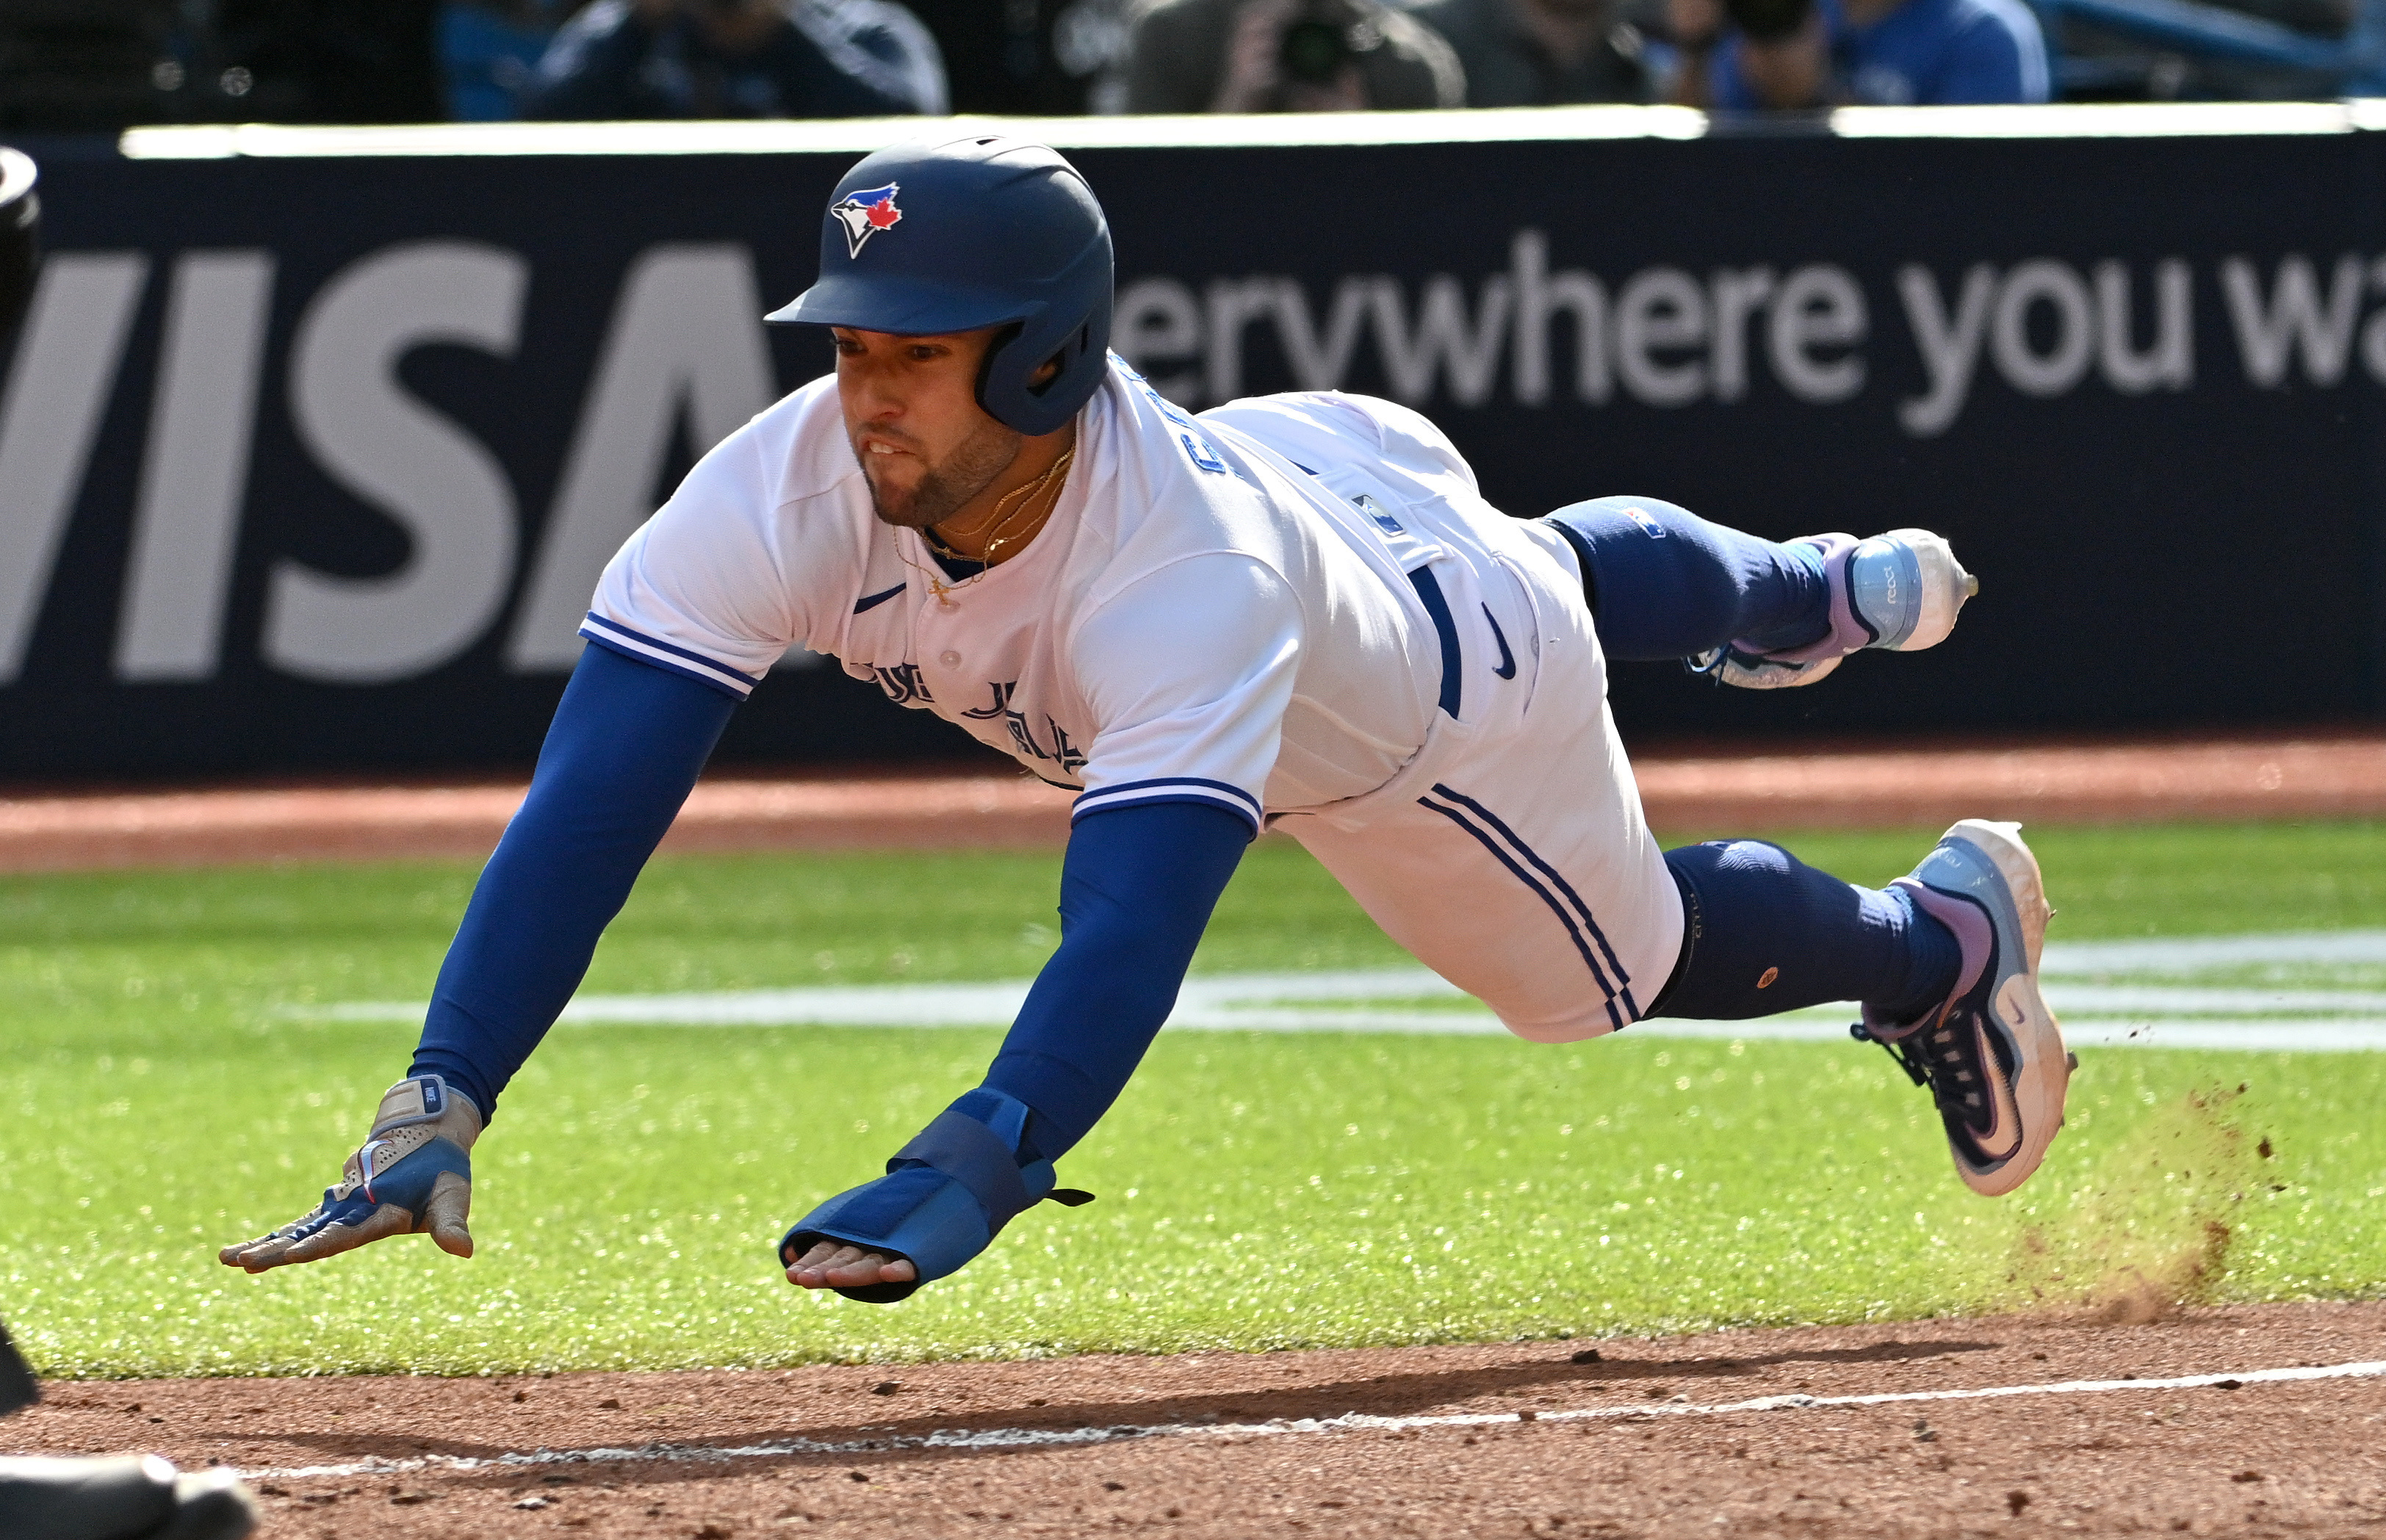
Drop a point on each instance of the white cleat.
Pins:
(1992, 1053)
(1900, 591)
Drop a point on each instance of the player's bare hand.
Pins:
(412, 1175)
(834, 1265)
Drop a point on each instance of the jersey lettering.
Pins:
(1065, 753)
(1062, 752)
(1197, 448)
(1001, 705)
(1023, 741)
(1203, 456)
(903, 684)
(1023, 744)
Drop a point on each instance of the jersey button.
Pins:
(950, 659)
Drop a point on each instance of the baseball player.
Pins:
(1293, 612)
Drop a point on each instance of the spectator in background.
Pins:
(1285, 55)
(1541, 53)
(1048, 59)
(1786, 55)
(489, 49)
(738, 58)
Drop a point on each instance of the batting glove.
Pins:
(411, 1176)
(944, 1197)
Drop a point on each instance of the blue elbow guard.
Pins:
(944, 1197)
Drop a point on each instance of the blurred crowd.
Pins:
(96, 65)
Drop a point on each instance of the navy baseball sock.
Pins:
(1663, 583)
(1765, 932)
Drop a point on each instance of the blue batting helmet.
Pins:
(981, 230)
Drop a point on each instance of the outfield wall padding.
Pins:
(308, 461)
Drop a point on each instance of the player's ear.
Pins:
(1044, 372)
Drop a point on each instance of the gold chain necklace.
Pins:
(1010, 507)
(1005, 503)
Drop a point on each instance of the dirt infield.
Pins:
(1743, 1432)
(2209, 1422)
(2338, 775)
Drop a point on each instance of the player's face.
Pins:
(911, 413)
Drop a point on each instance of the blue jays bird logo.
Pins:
(866, 213)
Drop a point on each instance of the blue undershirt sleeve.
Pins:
(1136, 890)
(627, 745)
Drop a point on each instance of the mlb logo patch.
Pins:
(1374, 511)
(1654, 530)
(864, 213)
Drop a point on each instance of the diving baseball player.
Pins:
(1293, 612)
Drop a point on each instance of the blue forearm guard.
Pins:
(1135, 891)
(944, 1197)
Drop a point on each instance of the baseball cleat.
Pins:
(1992, 1053)
(1899, 591)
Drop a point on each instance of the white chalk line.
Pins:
(2167, 1011)
(1410, 1001)
(1021, 1438)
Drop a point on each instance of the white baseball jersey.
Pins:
(1199, 619)
(1220, 610)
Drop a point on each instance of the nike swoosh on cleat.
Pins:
(2004, 1127)
(1507, 669)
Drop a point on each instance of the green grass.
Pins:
(1256, 1191)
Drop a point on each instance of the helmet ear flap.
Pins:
(1079, 343)
(1062, 357)
(1008, 390)
(1004, 339)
